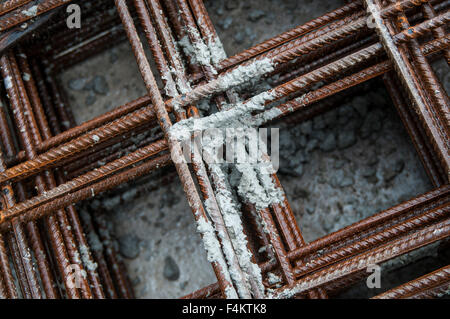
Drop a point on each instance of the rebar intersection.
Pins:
(312, 62)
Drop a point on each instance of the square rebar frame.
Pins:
(341, 49)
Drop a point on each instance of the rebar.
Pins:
(70, 163)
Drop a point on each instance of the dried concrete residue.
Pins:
(274, 193)
(233, 222)
(213, 43)
(95, 138)
(206, 54)
(170, 88)
(76, 257)
(90, 265)
(267, 116)
(197, 51)
(238, 76)
(245, 73)
(183, 86)
(237, 116)
(26, 77)
(238, 277)
(250, 188)
(273, 279)
(31, 12)
(175, 79)
(248, 74)
(240, 282)
(8, 82)
(216, 48)
(249, 184)
(94, 242)
(213, 250)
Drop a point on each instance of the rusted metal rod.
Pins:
(439, 279)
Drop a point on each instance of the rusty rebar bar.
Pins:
(28, 11)
(437, 279)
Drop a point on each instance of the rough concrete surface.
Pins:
(338, 168)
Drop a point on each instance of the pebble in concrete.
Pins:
(100, 85)
(171, 270)
(77, 84)
(129, 246)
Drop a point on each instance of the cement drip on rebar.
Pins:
(214, 251)
(238, 116)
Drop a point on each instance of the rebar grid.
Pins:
(312, 62)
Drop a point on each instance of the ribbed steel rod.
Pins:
(419, 285)
(28, 11)
(165, 123)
